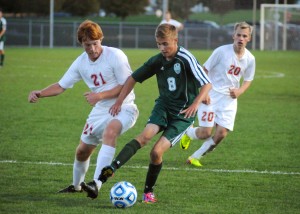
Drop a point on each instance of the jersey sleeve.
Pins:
(212, 61)
(250, 71)
(121, 66)
(195, 67)
(71, 76)
(146, 71)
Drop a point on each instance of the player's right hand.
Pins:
(206, 101)
(33, 96)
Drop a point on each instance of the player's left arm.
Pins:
(236, 92)
(92, 98)
(192, 109)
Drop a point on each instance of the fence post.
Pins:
(136, 37)
(120, 34)
(30, 33)
(41, 35)
(74, 34)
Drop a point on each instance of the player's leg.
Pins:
(225, 111)
(206, 117)
(105, 156)
(107, 150)
(80, 167)
(117, 125)
(162, 145)
(131, 148)
(2, 53)
(171, 135)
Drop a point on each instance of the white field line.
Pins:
(165, 168)
(269, 74)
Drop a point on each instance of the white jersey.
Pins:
(225, 69)
(108, 71)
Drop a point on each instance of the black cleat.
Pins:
(106, 173)
(91, 189)
(69, 189)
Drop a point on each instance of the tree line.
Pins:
(123, 8)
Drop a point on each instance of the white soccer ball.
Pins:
(123, 194)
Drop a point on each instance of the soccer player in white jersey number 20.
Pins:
(104, 70)
(225, 67)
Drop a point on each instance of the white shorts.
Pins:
(221, 110)
(100, 117)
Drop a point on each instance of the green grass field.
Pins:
(255, 170)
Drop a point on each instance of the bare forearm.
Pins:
(127, 88)
(245, 86)
(203, 93)
(52, 90)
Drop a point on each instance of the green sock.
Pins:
(126, 153)
(152, 175)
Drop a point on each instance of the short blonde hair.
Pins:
(243, 25)
(166, 31)
(89, 30)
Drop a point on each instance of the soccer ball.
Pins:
(123, 194)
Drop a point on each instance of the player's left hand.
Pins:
(190, 111)
(115, 109)
(234, 93)
(92, 98)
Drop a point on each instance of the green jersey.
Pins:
(178, 80)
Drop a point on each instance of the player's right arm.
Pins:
(52, 90)
(127, 88)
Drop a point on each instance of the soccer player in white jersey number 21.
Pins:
(104, 70)
(225, 67)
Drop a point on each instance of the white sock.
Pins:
(79, 170)
(105, 157)
(204, 148)
(191, 132)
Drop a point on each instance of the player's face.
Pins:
(167, 46)
(241, 37)
(93, 48)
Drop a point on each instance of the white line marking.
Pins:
(165, 168)
(269, 74)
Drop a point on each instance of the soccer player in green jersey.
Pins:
(182, 85)
(3, 24)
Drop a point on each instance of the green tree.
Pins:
(81, 8)
(179, 9)
(124, 8)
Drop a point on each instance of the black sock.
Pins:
(152, 175)
(1, 59)
(126, 153)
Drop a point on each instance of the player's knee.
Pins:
(203, 133)
(81, 154)
(109, 136)
(143, 139)
(155, 157)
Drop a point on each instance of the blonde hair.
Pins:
(166, 31)
(243, 25)
(89, 30)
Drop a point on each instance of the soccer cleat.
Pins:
(185, 142)
(91, 189)
(149, 198)
(106, 173)
(69, 189)
(193, 161)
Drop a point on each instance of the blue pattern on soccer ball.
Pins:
(123, 194)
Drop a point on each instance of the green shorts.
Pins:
(171, 123)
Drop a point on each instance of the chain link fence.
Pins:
(121, 35)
